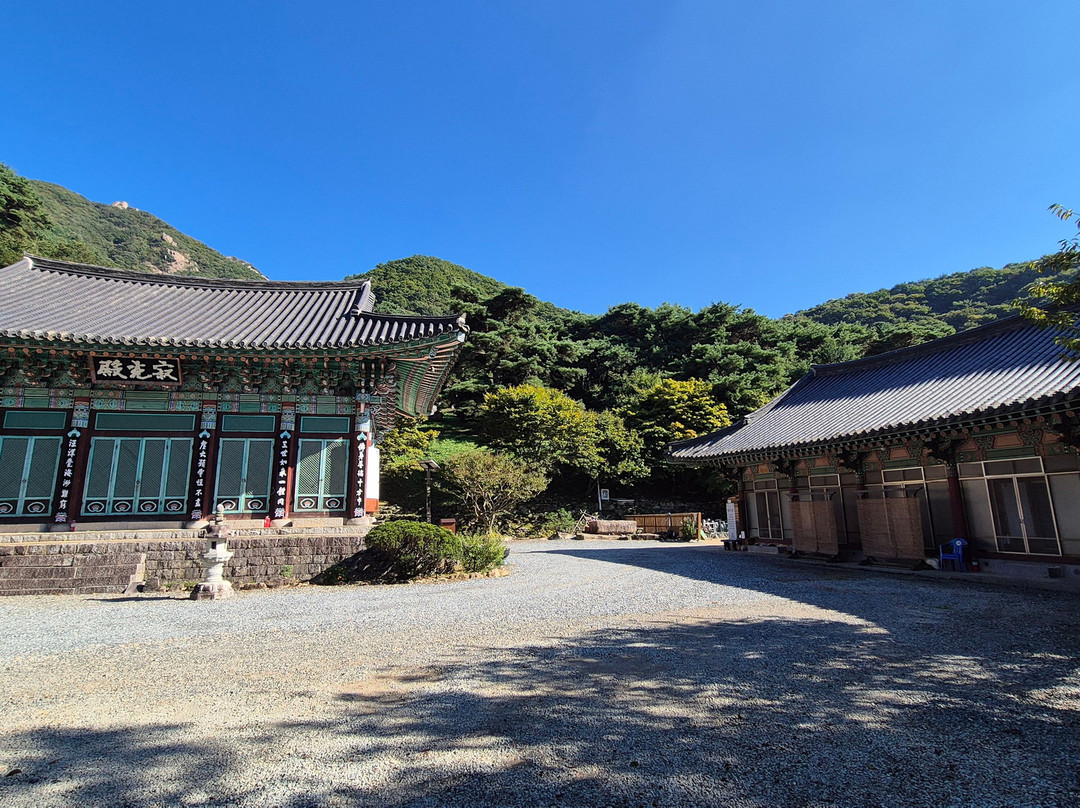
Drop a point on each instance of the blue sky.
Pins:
(768, 154)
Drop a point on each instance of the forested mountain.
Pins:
(961, 300)
(424, 285)
(48, 220)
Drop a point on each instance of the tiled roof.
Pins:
(1007, 366)
(59, 301)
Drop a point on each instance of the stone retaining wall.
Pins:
(72, 567)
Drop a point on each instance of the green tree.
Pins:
(402, 449)
(675, 410)
(543, 426)
(514, 339)
(422, 284)
(893, 336)
(622, 449)
(406, 445)
(1058, 287)
(489, 485)
(21, 216)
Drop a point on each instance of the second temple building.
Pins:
(973, 436)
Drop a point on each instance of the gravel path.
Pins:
(596, 673)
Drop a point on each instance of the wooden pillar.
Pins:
(956, 502)
(354, 494)
(281, 490)
(76, 448)
(204, 450)
(740, 504)
(944, 448)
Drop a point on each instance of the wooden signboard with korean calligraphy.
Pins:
(149, 370)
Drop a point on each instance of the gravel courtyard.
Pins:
(596, 673)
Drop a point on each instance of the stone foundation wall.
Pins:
(256, 559)
(43, 568)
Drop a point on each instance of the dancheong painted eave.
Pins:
(56, 301)
(1009, 367)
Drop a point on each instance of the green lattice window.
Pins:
(321, 475)
(144, 422)
(244, 474)
(141, 476)
(28, 475)
(35, 419)
(335, 424)
(248, 423)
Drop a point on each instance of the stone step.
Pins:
(764, 549)
(68, 560)
(71, 572)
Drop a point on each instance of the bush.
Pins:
(482, 553)
(541, 524)
(489, 485)
(415, 549)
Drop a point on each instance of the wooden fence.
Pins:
(666, 524)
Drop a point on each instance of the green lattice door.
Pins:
(28, 475)
(243, 474)
(322, 474)
(144, 476)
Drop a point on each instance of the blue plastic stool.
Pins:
(952, 551)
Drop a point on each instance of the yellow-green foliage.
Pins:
(674, 410)
(482, 552)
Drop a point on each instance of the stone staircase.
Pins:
(61, 569)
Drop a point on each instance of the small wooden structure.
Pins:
(666, 524)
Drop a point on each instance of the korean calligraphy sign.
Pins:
(135, 369)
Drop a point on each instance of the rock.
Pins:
(611, 526)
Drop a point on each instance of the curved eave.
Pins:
(421, 379)
(988, 417)
(400, 339)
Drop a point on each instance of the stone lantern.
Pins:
(215, 587)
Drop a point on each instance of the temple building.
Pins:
(132, 397)
(973, 436)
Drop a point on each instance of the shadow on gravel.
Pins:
(700, 713)
(143, 766)
(726, 713)
(934, 697)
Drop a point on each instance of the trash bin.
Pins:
(449, 524)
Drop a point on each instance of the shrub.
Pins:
(482, 553)
(490, 485)
(415, 549)
(560, 521)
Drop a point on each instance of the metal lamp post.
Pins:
(428, 465)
